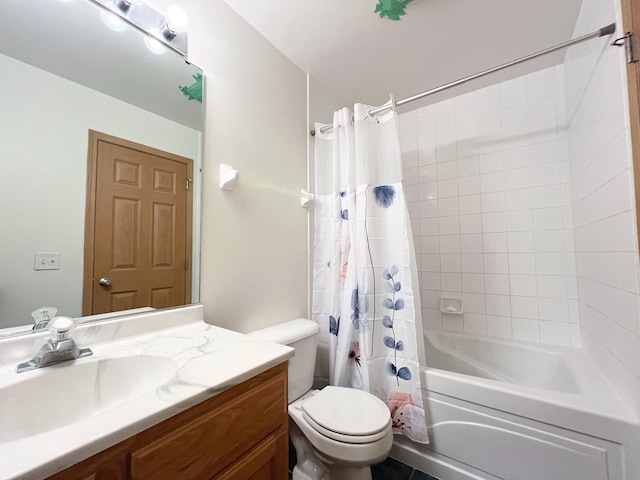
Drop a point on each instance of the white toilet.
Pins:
(338, 432)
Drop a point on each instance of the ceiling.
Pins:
(359, 57)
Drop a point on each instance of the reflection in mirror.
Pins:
(67, 76)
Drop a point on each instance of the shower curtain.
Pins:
(363, 292)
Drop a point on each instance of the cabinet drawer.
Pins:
(207, 445)
(266, 462)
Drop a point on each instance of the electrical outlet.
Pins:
(47, 261)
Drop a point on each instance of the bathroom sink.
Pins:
(48, 398)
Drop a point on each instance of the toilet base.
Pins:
(310, 466)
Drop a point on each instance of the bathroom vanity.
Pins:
(239, 434)
(164, 395)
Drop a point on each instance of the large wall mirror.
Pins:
(71, 75)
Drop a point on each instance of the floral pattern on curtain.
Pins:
(363, 293)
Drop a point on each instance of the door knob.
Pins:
(105, 282)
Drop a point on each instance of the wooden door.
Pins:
(140, 211)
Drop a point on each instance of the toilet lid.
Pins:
(347, 412)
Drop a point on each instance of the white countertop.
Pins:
(209, 360)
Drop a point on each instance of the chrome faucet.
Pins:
(42, 316)
(59, 348)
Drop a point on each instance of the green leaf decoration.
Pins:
(392, 9)
(194, 92)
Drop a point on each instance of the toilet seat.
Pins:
(339, 437)
(347, 415)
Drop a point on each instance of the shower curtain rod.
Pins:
(604, 31)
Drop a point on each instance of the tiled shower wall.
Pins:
(487, 181)
(603, 196)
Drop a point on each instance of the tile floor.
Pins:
(390, 469)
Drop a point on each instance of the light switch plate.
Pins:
(47, 261)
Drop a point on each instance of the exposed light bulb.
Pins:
(113, 21)
(176, 21)
(154, 45)
(125, 5)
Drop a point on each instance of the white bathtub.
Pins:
(516, 411)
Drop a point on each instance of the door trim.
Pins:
(89, 225)
(630, 10)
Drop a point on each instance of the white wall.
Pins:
(254, 240)
(44, 177)
(487, 180)
(603, 197)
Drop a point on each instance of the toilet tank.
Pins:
(302, 335)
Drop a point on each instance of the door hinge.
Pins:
(186, 183)
(186, 264)
(630, 44)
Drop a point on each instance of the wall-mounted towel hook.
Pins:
(228, 177)
(306, 198)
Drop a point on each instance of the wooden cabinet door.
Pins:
(268, 461)
(202, 448)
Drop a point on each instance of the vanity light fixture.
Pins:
(154, 45)
(126, 5)
(176, 21)
(113, 21)
(169, 29)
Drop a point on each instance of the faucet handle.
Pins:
(61, 327)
